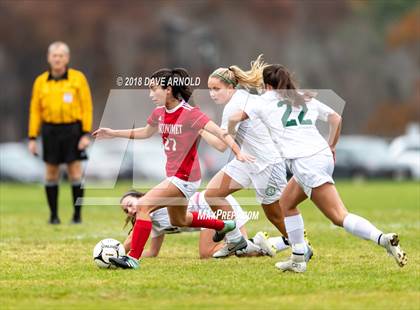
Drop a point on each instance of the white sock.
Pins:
(279, 243)
(295, 231)
(234, 235)
(361, 228)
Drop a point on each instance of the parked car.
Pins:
(149, 160)
(18, 164)
(108, 160)
(406, 150)
(367, 157)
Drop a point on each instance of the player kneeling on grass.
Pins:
(161, 225)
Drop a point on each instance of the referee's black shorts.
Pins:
(60, 143)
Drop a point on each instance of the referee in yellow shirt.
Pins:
(61, 111)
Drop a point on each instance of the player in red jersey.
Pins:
(180, 126)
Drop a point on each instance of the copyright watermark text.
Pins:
(138, 81)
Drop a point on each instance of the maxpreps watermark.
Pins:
(227, 215)
(130, 81)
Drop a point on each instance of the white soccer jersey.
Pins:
(293, 128)
(253, 135)
(161, 223)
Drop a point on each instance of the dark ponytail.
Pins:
(281, 79)
(185, 91)
(180, 89)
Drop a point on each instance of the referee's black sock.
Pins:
(78, 193)
(51, 189)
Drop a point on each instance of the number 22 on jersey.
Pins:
(293, 122)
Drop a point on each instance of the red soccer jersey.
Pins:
(179, 129)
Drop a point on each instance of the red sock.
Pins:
(141, 232)
(206, 222)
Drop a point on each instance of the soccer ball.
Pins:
(105, 249)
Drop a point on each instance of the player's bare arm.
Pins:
(136, 133)
(155, 245)
(217, 131)
(334, 121)
(213, 141)
(234, 120)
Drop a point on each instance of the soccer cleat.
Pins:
(391, 244)
(261, 239)
(296, 263)
(309, 253)
(231, 248)
(125, 262)
(219, 235)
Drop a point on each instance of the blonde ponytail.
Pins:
(250, 79)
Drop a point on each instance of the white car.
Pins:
(406, 150)
(108, 160)
(18, 164)
(148, 160)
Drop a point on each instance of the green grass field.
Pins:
(45, 266)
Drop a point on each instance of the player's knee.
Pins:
(211, 197)
(153, 254)
(74, 172)
(52, 174)
(207, 251)
(75, 176)
(205, 254)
